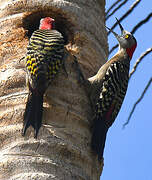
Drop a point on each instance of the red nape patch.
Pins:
(131, 50)
(46, 26)
(47, 23)
(108, 114)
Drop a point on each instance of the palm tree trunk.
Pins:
(62, 150)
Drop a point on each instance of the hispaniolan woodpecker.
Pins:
(44, 57)
(114, 75)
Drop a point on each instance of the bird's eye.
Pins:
(126, 36)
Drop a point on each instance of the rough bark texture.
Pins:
(62, 150)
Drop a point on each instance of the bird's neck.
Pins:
(131, 50)
(46, 26)
(121, 54)
(128, 51)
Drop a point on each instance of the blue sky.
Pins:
(127, 154)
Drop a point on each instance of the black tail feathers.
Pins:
(33, 113)
(99, 137)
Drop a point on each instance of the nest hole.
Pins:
(62, 24)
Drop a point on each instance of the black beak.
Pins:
(121, 28)
(115, 34)
(110, 30)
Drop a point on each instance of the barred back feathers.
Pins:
(114, 75)
(115, 83)
(44, 57)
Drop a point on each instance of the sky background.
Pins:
(128, 152)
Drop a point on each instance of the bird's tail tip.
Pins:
(33, 113)
(99, 137)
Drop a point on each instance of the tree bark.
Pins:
(62, 150)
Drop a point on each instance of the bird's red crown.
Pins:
(47, 23)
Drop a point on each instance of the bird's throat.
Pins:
(131, 50)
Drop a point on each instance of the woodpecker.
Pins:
(115, 75)
(44, 57)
